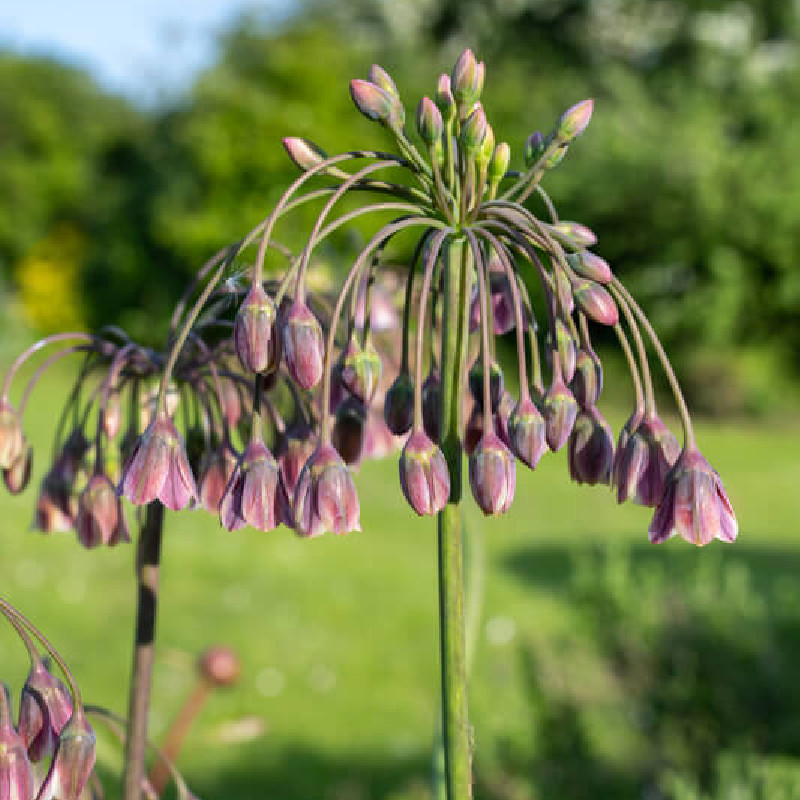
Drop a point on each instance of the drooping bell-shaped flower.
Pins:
(73, 761)
(101, 519)
(424, 476)
(527, 432)
(216, 469)
(398, 407)
(16, 775)
(297, 447)
(255, 335)
(590, 449)
(492, 475)
(325, 498)
(45, 706)
(303, 345)
(694, 504)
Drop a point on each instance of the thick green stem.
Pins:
(148, 560)
(455, 725)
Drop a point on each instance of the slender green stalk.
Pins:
(455, 724)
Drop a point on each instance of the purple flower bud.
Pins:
(445, 101)
(650, 453)
(254, 334)
(45, 705)
(591, 448)
(431, 398)
(16, 477)
(573, 234)
(587, 382)
(473, 431)
(466, 79)
(498, 165)
(527, 433)
(475, 382)
(215, 474)
(303, 345)
(56, 506)
(535, 146)
(158, 468)
(589, 265)
(429, 121)
(377, 104)
(631, 424)
(423, 475)
(574, 120)
(492, 475)
(100, 516)
(473, 131)
(694, 504)
(301, 442)
(16, 775)
(502, 418)
(73, 761)
(380, 77)
(596, 302)
(325, 498)
(12, 441)
(398, 407)
(304, 153)
(361, 370)
(559, 410)
(253, 494)
(349, 430)
(502, 305)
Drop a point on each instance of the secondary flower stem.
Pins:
(455, 723)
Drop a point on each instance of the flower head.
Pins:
(100, 516)
(45, 706)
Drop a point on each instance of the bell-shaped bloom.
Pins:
(303, 345)
(398, 407)
(100, 516)
(296, 448)
(12, 441)
(158, 468)
(492, 475)
(361, 370)
(45, 705)
(325, 498)
(255, 336)
(587, 382)
(253, 496)
(216, 469)
(527, 432)
(649, 454)
(349, 430)
(16, 775)
(73, 761)
(559, 410)
(694, 504)
(431, 399)
(475, 383)
(16, 476)
(590, 450)
(424, 476)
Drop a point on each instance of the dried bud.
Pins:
(398, 407)
(216, 469)
(325, 498)
(594, 301)
(219, 666)
(349, 430)
(429, 122)
(573, 234)
(16, 477)
(423, 475)
(444, 99)
(492, 475)
(16, 775)
(591, 448)
(694, 504)
(100, 516)
(498, 166)
(304, 153)
(253, 496)
(303, 345)
(475, 381)
(589, 265)
(587, 383)
(361, 370)
(380, 77)
(431, 398)
(574, 120)
(473, 131)
(527, 433)
(254, 334)
(559, 409)
(158, 468)
(535, 146)
(12, 441)
(377, 104)
(45, 705)
(73, 761)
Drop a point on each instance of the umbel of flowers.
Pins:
(268, 393)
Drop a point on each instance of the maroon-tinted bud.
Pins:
(429, 121)
(567, 350)
(502, 418)
(650, 453)
(158, 468)
(591, 448)
(492, 475)
(589, 265)
(73, 761)
(527, 431)
(473, 131)
(573, 234)
(431, 398)
(445, 101)
(219, 666)
(377, 104)
(631, 424)
(325, 498)
(694, 504)
(303, 345)
(361, 370)
(380, 77)
(423, 475)
(496, 387)
(300, 444)
(574, 120)
(100, 516)
(16, 775)
(501, 297)
(349, 430)
(56, 506)
(16, 477)
(564, 291)
(594, 301)
(587, 383)
(473, 431)
(12, 441)
(535, 146)
(466, 79)
(398, 407)
(45, 705)
(559, 410)
(254, 332)
(253, 495)
(215, 473)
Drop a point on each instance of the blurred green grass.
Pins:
(338, 636)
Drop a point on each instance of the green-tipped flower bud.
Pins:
(466, 79)
(526, 431)
(473, 131)
(424, 476)
(573, 234)
(559, 409)
(564, 290)
(377, 104)
(498, 166)
(380, 77)
(574, 121)
(591, 266)
(487, 148)
(361, 371)
(492, 475)
(429, 121)
(587, 383)
(596, 302)
(535, 145)
(567, 350)
(303, 152)
(445, 100)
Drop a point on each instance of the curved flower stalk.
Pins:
(277, 389)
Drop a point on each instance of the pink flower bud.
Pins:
(45, 706)
(694, 504)
(361, 370)
(100, 515)
(492, 475)
(535, 146)
(587, 382)
(596, 302)
(466, 79)
(325, 498)
(527, 433)
(253, 496)
(591, 448)
(559, 410)
(254, 335)
(429, 121)
(445, 101)
(398, 407)
(12, 441)
(473, 131)
(215, 473)
(377, 104)
(16, 775)
(158, 468)
(16, 477)
(219, 666)
(349, 430)
(303, 345)
(589, 265)
(424, 476)
(574, 120)
(573, 234)
(380, 77)
(73, 761)
(304, 153)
